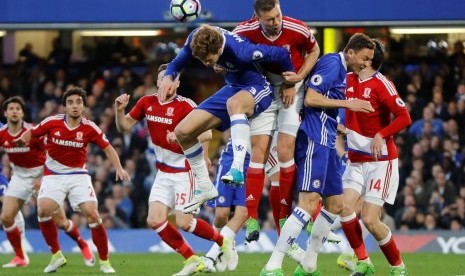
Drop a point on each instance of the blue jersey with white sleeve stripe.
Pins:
(328, 78)
(239, 59)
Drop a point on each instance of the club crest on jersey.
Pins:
(316, 183)
(257, 55)
(366, 93)
(170, 112)
(79, 135)
(316, 79)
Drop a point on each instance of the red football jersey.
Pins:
(362, 127)
(161, 118)
(295, 36)
(67, 147)
(30, 156)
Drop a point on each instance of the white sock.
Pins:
(320, 230)
(215, 250)
(337, 224)
(290, 231)
(194, 155)
(19, 220)
(240, 133)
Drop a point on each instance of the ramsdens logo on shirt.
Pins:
(157, 119)
(17, 149)
(67, 143)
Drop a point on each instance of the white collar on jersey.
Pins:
(343, 60)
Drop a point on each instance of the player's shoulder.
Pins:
(90, 124)
(185, 100)
(247, 26)
(27, 125)
(296, 26)
(4, 128)
(386, 84)
(54, 119)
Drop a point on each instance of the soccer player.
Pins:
(270, 27)
(246, 93)
(316, 157)
(65, 173)
(174, 183)
(28, 165)
(373, 169)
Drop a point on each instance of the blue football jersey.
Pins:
(328, 78)
(239, 59)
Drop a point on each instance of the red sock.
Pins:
(286, 189)
(204, 230)
(171, 236)
(317, 210)
(353, 232)
(76, 236)
(50, 233)
(391, 252)
(255, 180)
(14, 236)
(100, 239)
(275, 204)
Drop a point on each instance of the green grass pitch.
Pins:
(249, 264)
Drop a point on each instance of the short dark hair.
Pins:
(359, 42)
(264, 5)
(14, 99)
(378, 57)
(74, 91)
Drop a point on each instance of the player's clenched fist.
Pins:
(166, 88)
(122, 101)
(358, 105)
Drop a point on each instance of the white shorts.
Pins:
(22, 182)
(77, 187)
(276, 117)
(173, 189)
(376, 181)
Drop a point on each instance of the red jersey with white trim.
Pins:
(30, 156)
(67, 147)
(161, 119)
(362, 127)
(295, 36)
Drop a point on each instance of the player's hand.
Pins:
(358, 105)
(19, 142)
(288, 93)
(219, 69)
(121, 102)
(36, 184)
(171, 137)
(122, 175)
(377, 147)
(166, 88)
(291, 77)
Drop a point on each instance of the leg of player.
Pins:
(46, 207)
(371, 213)
(187, 131)
(99, 234)
(255, 179)
(287, 172)
(240, 107)
(10, 210)
(157, 219)
(60, 219)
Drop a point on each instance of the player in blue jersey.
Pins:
(316, 158)
(246, 93)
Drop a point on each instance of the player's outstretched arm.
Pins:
(111, 154)
(23, 139)
(123, 122)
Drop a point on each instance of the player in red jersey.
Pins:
(174, 183)
(28, 164)
(270, 27)
(66, 175)
(373, 168)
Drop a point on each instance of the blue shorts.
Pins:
(216, 104)
(228, 195)
(3, 184)
(318, 167)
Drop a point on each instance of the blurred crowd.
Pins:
(431, 194)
